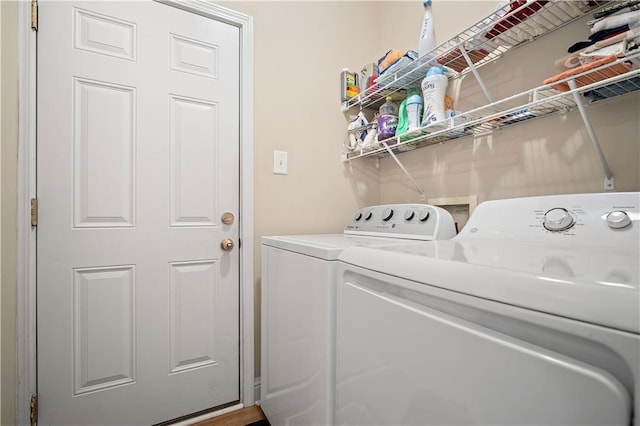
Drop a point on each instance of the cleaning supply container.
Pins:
(414, 106)
(403, 119)
(427, 41)
(434, 88)
(387, 120)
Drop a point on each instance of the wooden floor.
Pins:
(241, 417)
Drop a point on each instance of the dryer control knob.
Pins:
(358, 216)
(387, 214)
(558, 219)
(424, 215)
(367, 215)
(409, 214)
(618, 220)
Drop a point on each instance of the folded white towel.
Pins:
(630, 18)
(620, 12)
(592, 56)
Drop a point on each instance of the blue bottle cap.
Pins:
(427, 3)
(414, 99)
(435, 71)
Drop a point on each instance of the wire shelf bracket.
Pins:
(418, 188)
(473, 69)
(609, 182)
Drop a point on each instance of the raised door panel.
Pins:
(104, 160)
(194, 169)
(104, 328)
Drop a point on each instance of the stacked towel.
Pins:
(627, 16)
(598, 36)
(612, 33)
(611, 22)
(394, 60)
(589, 78)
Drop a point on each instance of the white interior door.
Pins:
(137, 159)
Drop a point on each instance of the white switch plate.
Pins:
(280, 166)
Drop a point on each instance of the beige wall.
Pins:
(547, 156)
(8, 190)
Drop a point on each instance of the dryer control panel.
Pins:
(409, 221)
(604, 219)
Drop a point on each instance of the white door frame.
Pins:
(26, 256)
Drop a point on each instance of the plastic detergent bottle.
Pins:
(403, 119)
(434, 87)
(387, 119)
(414, 109)
(427, 40)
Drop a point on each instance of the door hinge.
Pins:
(34, 15)
(34, 409)
(34, 212)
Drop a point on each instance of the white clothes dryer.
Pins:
(530, 316)
(298, 306)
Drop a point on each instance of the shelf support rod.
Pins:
(608, 176)
(475, 73)
(423, 196)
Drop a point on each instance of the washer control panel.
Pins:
(410, 221)
(602, 218)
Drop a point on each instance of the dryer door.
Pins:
(400, 362)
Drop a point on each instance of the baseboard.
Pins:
(256, 390)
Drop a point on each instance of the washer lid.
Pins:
(586, 284)
(326, 246)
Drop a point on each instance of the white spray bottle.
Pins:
(427, 40)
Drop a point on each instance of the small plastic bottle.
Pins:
(434, 88)
(427, 41)
(414, 109)
(387, 119)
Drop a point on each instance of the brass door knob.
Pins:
(227, 218)
(227, 244)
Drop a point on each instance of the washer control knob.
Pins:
(618, 220)
(409, 214)
(367, 215)
(358, 216)
(558, 219)
(387, 214)
(424, 215)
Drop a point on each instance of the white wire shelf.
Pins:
(481, 43)
(604, 82)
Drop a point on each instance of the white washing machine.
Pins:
(298, 306)
(530, 316)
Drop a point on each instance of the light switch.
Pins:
(280, 163)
